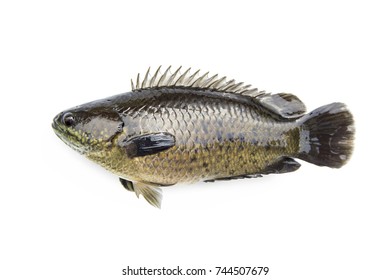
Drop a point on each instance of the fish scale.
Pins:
(233, 153)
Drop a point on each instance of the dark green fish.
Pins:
(183, 127)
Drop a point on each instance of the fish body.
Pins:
(175, 128)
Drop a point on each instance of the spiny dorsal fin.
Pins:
(285, 105)
(185, 78)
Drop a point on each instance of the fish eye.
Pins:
(68, 119)
(120, 127)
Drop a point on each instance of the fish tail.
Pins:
(326, 136)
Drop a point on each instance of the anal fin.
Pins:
(283, 165)
(234, 177)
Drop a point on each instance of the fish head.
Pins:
(90, 127)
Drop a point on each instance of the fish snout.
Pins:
(57, 121)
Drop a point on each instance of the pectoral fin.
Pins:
(285, 105)
(148, 144)
(151, 193)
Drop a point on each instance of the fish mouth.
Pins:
(56, 125)
(59, 130)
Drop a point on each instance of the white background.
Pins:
(63, 217)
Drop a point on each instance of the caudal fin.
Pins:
(327, 136)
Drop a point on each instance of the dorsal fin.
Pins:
(185, 78)
(284, 105)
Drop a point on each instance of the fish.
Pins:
(183, 127)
